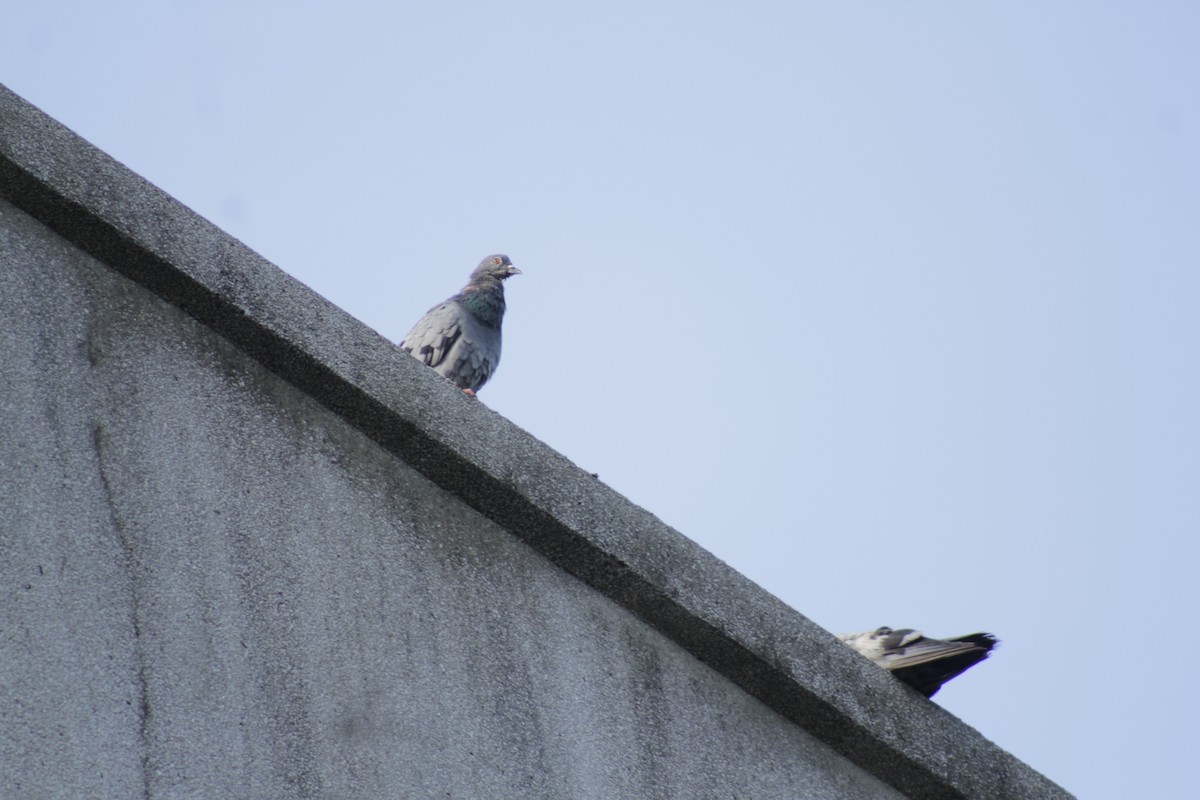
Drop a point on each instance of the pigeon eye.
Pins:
(496, 261)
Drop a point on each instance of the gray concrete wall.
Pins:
(215, 587)
(249, 549)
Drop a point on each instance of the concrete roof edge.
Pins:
(725, 620)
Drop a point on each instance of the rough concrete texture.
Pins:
(250, 549)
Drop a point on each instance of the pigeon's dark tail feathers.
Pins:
(985, 641)
(929, 676)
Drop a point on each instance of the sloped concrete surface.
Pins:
(250, 549)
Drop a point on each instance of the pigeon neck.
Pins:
(485, 302)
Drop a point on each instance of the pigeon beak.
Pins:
(513, 271)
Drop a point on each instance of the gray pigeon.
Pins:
(460, 338)
(924, 664)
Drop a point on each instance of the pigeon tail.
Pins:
(923, 663)
(930, 675)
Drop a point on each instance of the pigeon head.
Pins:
(496, 267)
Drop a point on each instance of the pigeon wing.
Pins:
(435, 334)
(458, 346)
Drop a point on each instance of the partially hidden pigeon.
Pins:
(923, 663)
(460, 338)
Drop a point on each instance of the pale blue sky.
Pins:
(891, 306)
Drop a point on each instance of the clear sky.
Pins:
(891, 306)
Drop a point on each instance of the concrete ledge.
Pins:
(771, 651)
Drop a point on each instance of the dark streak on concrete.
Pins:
(129, 556)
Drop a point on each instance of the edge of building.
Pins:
(768, 649)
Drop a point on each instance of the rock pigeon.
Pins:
(460, 338)
(924, 664)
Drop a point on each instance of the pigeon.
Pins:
(460, 338)
(924, 664)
